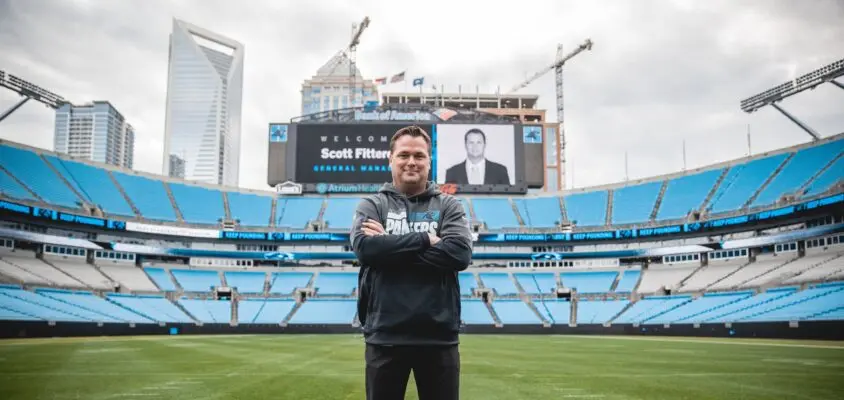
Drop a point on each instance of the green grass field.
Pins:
(494, 367)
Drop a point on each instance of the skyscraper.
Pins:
(329, 88)
(204, 95)
(95, 131)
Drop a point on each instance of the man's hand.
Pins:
(372, 227)
(433, 238)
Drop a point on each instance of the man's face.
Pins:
(475, 145)
(410, 160)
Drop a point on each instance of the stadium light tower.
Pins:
(811, 80)
(28, 91)
(557, 66)
(357, 31)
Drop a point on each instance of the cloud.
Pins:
(659, 73)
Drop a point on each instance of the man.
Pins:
(476, 169)
(411, 241)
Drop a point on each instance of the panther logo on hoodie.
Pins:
(398, 223)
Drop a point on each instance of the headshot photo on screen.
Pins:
(476, 154)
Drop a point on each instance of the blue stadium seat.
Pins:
(634, 204)
(318, 311)
(274, 311)
(558, 311)
(156, 308)
(298, 212)
(248, 309)
(629, 280)
(46, 308)
(500, 282)
(587, 209)
(805, 164)
(650, 307)
(598, 311)
(467, 282)
(537, 282)
(726, 312)
(96, 304)
(474, 312)
(9, 187)
(515, 312)
(541, 212)
(94, 184)
(589, 282)
(287, 282)
(497, 213)
(246, 281)
(340, 212)
(742, 181)
(336, 283)
(148, 195)
(30, 169)
(196, 280)
(161, 278)
(706, 303)
(198, 204)
(833, 175)
(250, 209)
(209, 311)
(686, 194)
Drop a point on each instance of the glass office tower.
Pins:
(204, 96)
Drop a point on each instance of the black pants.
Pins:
(436, 371)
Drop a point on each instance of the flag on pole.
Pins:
(397, 78)
(418, 81)
(381, 81)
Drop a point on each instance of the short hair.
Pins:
(476, 131)
(412, 131)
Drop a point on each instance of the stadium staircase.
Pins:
(234, 303)
(100, 270)
(268, 282)
(799, 192)
(494, 314)
(471, 207)
(519, 217)
(123, 193)
(713, 190)
(290, 315)
(179, 216)
(658, 200)
(222, 276)
(226, 209)
(610, 195)
(535, 309)
(22, 184)
(184, 310)
(273, 205)
(620, 313)
(614, 284)
(768, 180)
(84, 200)
(321, 213)
(725, 277)
(573, 311)
(769, 272)
(564, 215)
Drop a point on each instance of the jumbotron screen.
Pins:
(337, 153)
(488, 158)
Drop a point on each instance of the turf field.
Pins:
(494, 367)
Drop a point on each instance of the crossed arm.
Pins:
(376, 248)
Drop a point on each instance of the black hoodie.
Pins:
(408, 290)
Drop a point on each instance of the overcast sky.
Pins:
(660, 72)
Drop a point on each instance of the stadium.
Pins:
(722, 281)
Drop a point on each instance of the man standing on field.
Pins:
(411, 241)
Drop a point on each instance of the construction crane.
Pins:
(557, 66)
(350, 53)
(357, 31)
